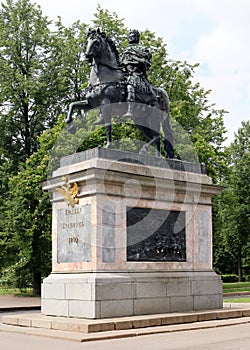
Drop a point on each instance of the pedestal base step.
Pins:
(121, 323)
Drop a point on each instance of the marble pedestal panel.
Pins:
(138, 242)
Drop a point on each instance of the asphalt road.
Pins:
(221, 338)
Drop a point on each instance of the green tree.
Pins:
(240, 159)
(24, 78)
(112, 25)
(27, 98)
(233, 208)
(39, 76)
(72, 70)
(26, 239)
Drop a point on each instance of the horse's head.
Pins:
(100, 46)
(95, 45)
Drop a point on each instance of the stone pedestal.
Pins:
(137, 241)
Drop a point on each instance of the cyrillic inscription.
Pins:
(73, 234)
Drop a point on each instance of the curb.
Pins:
(19, 308)
(235, 294)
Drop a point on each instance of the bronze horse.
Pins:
(106, 90)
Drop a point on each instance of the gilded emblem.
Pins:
(69, 192)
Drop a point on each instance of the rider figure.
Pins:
(136, 59)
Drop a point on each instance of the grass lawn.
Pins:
(236, 287)
(237, 300)
(13, 291)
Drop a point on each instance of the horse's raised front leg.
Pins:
(80, 105)
(70, 112)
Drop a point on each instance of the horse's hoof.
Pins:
(68, 120)
(171, 155)
(127, 115)
(108, 145)
(143, 151)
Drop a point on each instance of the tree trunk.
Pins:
(37, 282)
(240, 277)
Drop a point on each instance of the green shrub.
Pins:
(16, 276)
(229, 278)
(247, 278)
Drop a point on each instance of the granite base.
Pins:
(102, 295)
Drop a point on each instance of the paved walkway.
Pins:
(234, 337)
(12, 303)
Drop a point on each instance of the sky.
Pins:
(213, 33)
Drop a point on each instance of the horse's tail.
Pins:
(165, 107)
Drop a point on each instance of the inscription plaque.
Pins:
(155, 235)
(74, 234)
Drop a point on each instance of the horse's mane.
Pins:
(108, 40)
(113, 48)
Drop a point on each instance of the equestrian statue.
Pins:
(119, 86)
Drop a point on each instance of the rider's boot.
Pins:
(129, 111)
(108, 128)
(130, 99)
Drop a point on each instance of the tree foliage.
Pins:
(26, 236)
(233, 207)
(67, 50)
(25, 79)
